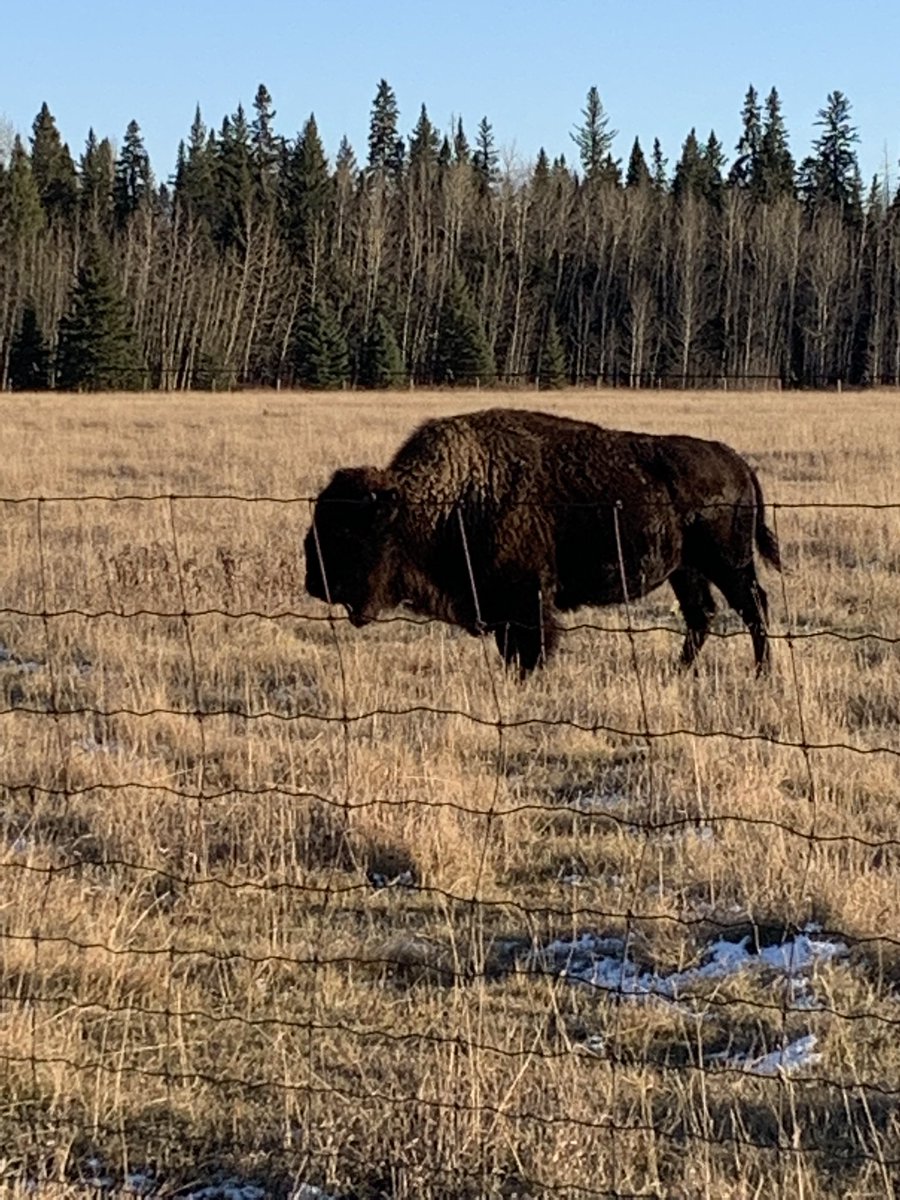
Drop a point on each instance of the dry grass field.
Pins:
(354, 913)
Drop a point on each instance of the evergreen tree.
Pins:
(485, 156)
(54, 170)
(97, 347)
(133, 185)
(195, 176)
(776, 174)
(424, 144)
(385, 144)
(97, 170)
(463, 353)
(345, 160)
(29, 358)
(746, 166)
(461, 151)
(307, 190)
(381, 363)
(713, 158)
(660, 166)
(262, 133)
(321, 358)
(234, 178)
(265, 147)
(26, 213)
(690, 170)
(594, 140)
(540, 176)
(638, 173)
(551, 365)
(831, 174)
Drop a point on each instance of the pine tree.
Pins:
(461, 151)
(234, 178)
(321, 357)
(424, 145)
(307, 190)
(195, 177)
(29, 358)
(133, 185)
(660, 166)
(463, 353)
(345, 160)
(381, 363)
(594, 140)
(690, 170)
(265, 147)
(638, 173)
(540, 175)
(485, 156)
(831, 174)
(776, 175)
(54, 170)
(385, 144)
(746, 166)
(97, 170)
(713, 159)
(97, 347)
(26, 213)
(550, 371)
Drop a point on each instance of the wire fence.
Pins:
(229, 379)
(299, 910)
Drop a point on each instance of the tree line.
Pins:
(261, 262)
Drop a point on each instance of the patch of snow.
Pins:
(794, 1056)
(604, 963)
(92, 745)
(309, 1191)
(140, 1183)
(228, 1189)
(405, 879)
(599, 801)
(29, 665)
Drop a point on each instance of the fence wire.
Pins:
(411, 927)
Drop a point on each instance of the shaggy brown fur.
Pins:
(497, 519)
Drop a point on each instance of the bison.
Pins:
(497, 520)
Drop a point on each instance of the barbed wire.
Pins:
(775, 1113)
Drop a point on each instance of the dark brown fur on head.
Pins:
(345, 548)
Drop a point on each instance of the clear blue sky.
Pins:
(661, 66)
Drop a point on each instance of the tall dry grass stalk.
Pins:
(277, 894)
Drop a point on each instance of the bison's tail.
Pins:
(766, 541)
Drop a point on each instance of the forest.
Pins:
(440, 261)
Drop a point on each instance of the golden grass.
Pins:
(195, 966)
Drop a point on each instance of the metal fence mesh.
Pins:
(292, 909)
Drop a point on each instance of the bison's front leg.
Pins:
(526, 635)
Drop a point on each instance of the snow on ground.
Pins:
(792, 1056)
(604, 963)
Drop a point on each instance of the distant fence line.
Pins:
(227, 380)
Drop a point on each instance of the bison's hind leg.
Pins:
(697, 607)
(747, 596)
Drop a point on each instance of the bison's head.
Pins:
(346, 548)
